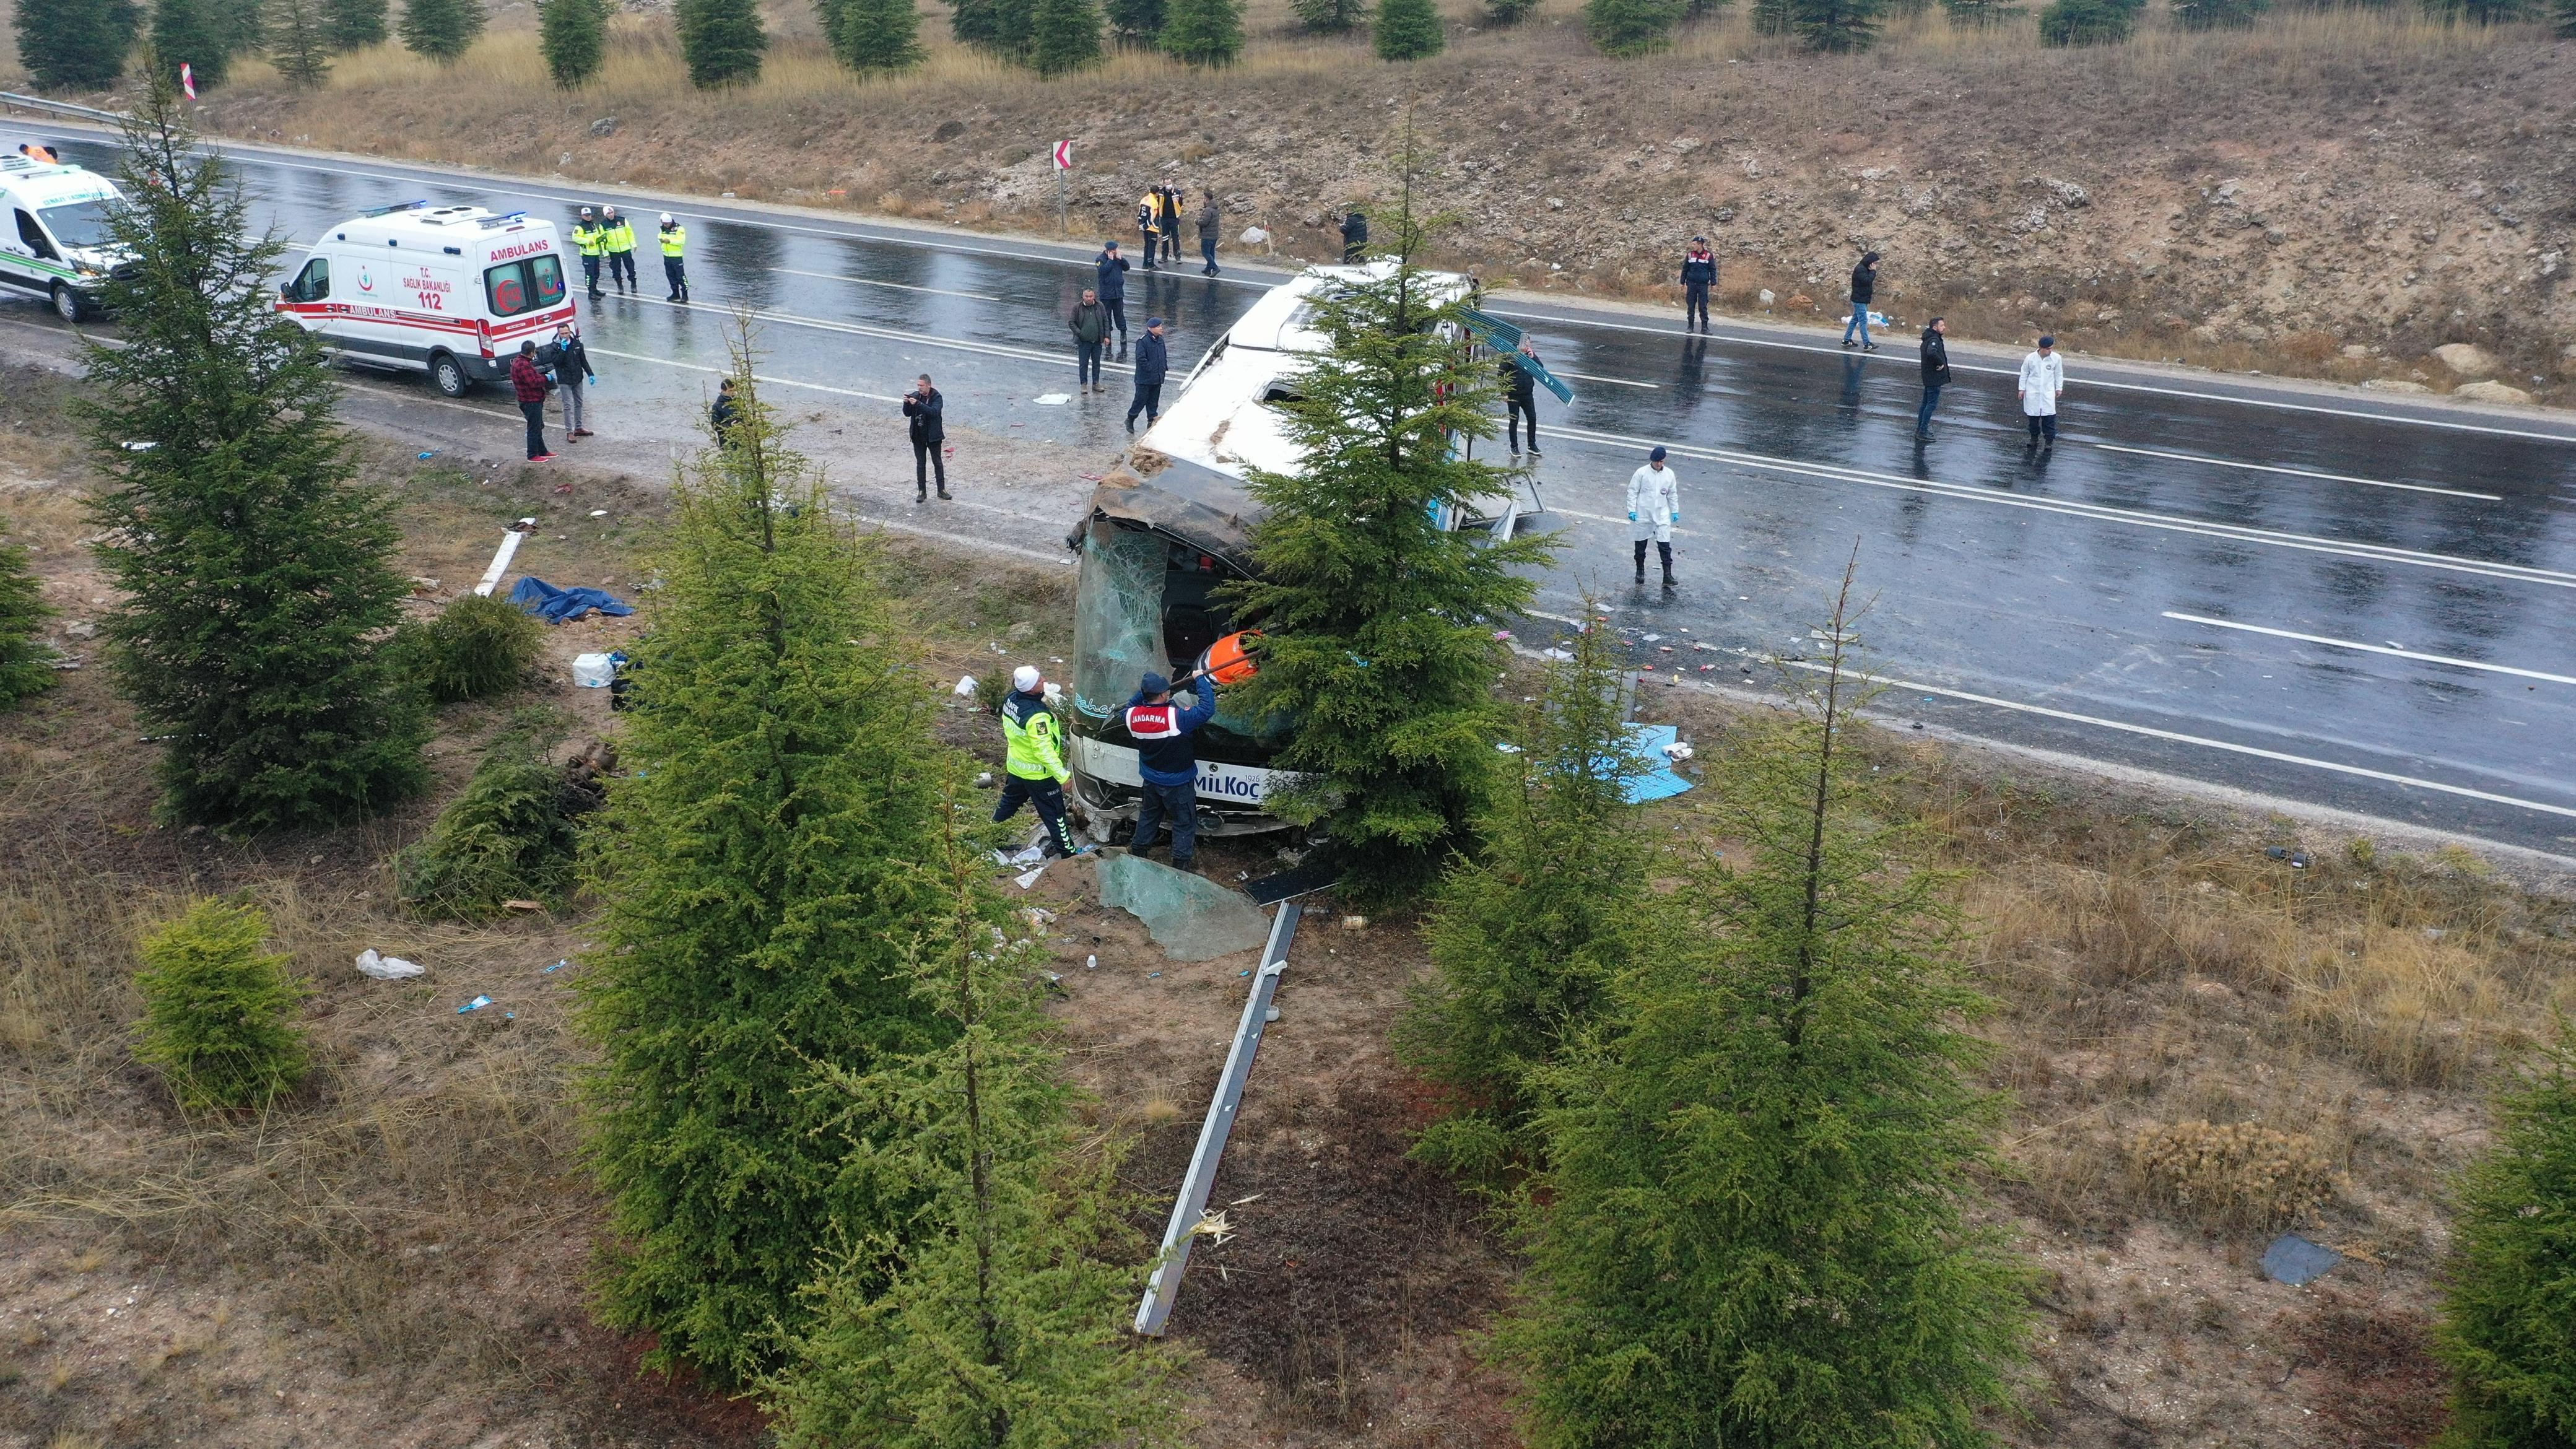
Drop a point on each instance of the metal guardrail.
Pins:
(1191, 1209)
(13, 100)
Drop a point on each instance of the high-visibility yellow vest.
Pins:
(621, 237)
(1149, 215)
(1029, 729)
(587, 238)
(673, 239)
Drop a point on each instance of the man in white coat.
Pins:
(2043, 377)
(1654, 507)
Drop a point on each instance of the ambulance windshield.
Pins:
(528, 284)
(83, 224)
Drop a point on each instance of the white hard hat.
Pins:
(666, 218)
(1025, 678)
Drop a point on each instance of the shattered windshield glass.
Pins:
(1118, 617)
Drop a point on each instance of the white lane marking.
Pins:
(2096, 512)
(892, 334)
(1591, 377)
(755, 377)
(2387, 649)
(2301, 472)
(2231, 747)
(2254, 402)
(898, 286)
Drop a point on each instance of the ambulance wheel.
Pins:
(449, 375)
(67, 303)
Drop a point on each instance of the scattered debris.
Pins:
(387, 968)
(2294, 1260)
(965, 687)
(477, 1004)
(2298, 859)
(523, 905)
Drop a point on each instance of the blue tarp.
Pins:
(1659, 782)
(557, 606)
(2294, 1260)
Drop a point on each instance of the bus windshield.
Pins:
(1117, 617)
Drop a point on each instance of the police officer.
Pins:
(618, 237)
(675, 240)
(590, 239)
(1033, 766)
(1699, 273)
(1167, 762)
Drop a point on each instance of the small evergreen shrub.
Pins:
(2234, 1175)
(873, 35)
(192, 33)
(573, 36)
(1408, 30)
(1630, 27)
(509, 836)
(2087, 22)
(1508, 12)
(1204, 32)
(2508, 1325)
(2218, 14)
(441, 29)
(218, 1012)
(1329, 17)
(25, 665)
(299, 42)
(722, 41)
(478, 645)
(1064, 36)
(1136, 22)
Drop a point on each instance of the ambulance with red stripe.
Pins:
(447, 290)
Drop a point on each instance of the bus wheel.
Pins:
(67, 303)
(449, 374)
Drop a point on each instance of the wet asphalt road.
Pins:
(2336, 599)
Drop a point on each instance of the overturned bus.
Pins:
(1172, 525)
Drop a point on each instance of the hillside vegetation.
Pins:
(2328, 192)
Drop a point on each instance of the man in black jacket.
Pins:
(1152, 361)
(1354, 238)
(1936, 376)
(1699, 273)
(1090, 327)
(1111, 270)
(1864, 287)
(922, 406)
(1520, 396)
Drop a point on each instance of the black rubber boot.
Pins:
(1641, 561)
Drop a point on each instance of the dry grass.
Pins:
(2238, 1175)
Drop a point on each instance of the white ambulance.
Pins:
(55, 241)
(446, 290)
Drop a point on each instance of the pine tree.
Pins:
(76, 45)
(1837, 25)
(299, 41)
(1408, 30)
(2566, 20)
(876, 35)
(1329, 17)
(2508, 1324)
(258, 575)
(722, 41)
(1004, 1326)
(1980, 13)
(242, 26)
(1380, 623)
(762, 871)
(2218, 14)
(573, 35)
(1526, 936)
(1205, 32)
(218, 1012)
(1772, 17)
(1753, 1221)
(1064, 36)
(1630, 27)
(191, 33)
(26, 666)
(2087, 22)
(1136, 22)
(1000, 27)
(441, 29)
(354, 24)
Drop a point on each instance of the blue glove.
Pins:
(1677, 515)
(1632, 515)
